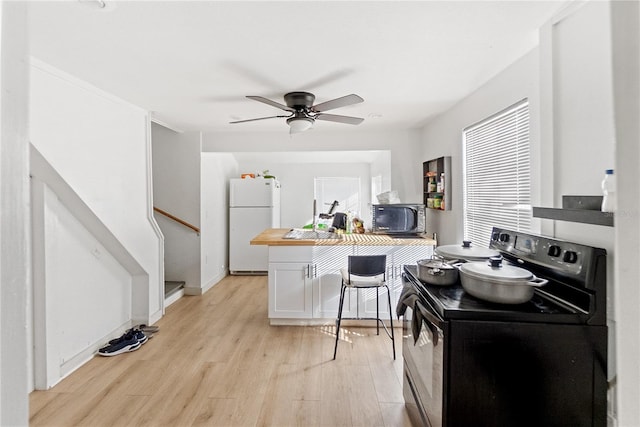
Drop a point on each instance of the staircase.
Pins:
(173, 291)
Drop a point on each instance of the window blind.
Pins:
(497, 174)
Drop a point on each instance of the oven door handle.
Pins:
(423, 315)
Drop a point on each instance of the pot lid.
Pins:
(496, 271)
(435, 263)
(466, 251)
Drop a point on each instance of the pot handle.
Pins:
(537, 282)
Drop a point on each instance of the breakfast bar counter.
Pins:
(305, 279)
(275, 237)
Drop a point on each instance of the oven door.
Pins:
(423, 351)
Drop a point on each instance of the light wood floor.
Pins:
(217, 362)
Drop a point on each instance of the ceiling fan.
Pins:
(302, 112)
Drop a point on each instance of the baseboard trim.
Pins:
(330, 322)
(174, 297)
(194, 291)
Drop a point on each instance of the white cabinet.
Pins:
(366, 304)
(290, 290)
(327, 281)
(290, 282)
(397, 257)
(305, 281)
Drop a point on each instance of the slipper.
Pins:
(149, 329)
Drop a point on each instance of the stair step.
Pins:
(171, 287)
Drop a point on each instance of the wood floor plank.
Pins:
(216, 361)
(395, 415)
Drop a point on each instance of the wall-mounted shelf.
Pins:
(583, 209)
(436, 177)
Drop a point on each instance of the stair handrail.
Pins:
(176, 219)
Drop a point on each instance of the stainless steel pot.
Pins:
(437, 272)
(466, 252)
(492, 281)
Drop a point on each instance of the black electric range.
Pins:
(472, 362)
(452, 302)
(575, 294)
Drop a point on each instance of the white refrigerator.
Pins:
(254, 206)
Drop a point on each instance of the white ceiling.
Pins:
(192, 63)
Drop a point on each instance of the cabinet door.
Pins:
(290, 294)
(327, 281)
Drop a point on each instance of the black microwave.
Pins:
(398, 219)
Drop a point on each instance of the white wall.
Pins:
(217, 169)
(297, 186)
(80, 270)
(625, 23)
(176, 190)
(403, 145)
(577, 50)
(88, 292)
(582, 101)
(568, 81)
(15, 247)
(443, 135)
(583, 129)
(100, 146)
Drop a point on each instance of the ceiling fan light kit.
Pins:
(303, 113)
(299, 124)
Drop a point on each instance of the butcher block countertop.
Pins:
(274, 237)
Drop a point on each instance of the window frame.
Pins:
(511, 207)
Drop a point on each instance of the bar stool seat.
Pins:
(365, 271)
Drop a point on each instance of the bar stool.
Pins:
(363, 272)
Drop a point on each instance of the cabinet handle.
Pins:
(315, 270)
(308, 272)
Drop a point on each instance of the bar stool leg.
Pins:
(340, 305)
(377, 311)
(393, 341)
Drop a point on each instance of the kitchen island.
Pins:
(304, 274)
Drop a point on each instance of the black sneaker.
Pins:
(126, 343)
(140, 336)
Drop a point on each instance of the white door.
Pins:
(346, 190)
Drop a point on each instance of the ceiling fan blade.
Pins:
(270, 102)
(339, 119)
(336, 103)
(260, 118)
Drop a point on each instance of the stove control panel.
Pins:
(570, 268)
(569, 258)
